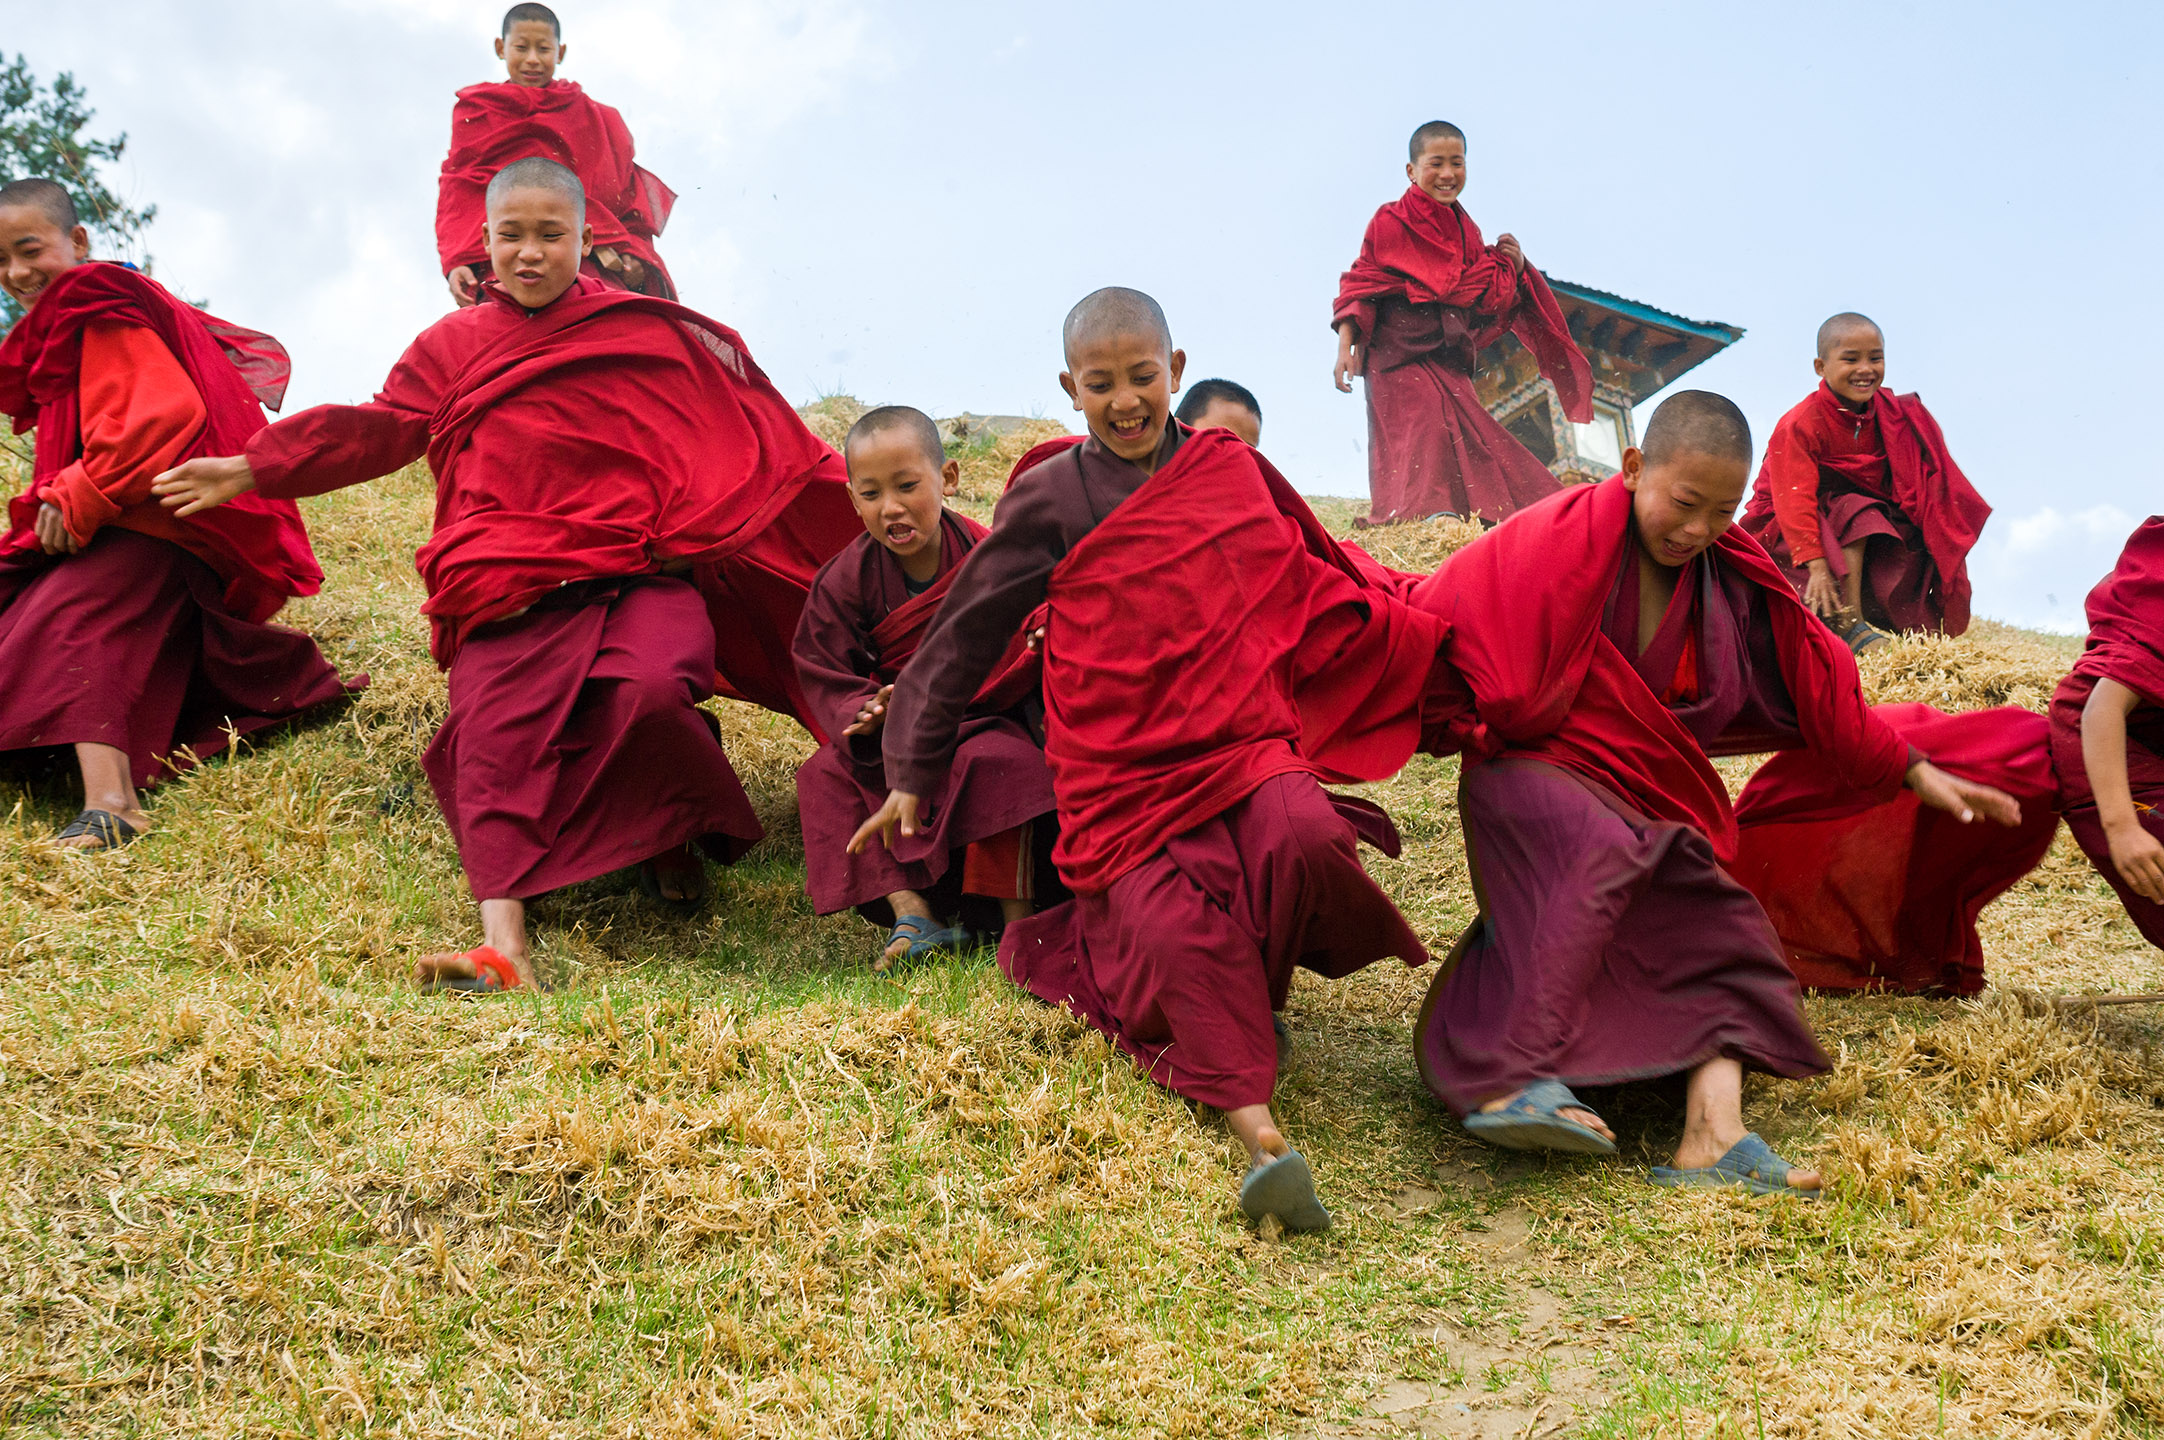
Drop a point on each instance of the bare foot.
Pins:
(1572, 1113)
(680, 874)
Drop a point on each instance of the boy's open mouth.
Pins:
(901, 534)
(1131, 429)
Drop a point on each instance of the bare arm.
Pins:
(2135, 853)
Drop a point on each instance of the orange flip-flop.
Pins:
(496, 975)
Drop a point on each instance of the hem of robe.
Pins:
(1745, 1026)
(202, 676)
(1260, 880)
(644, 647)
(1899, 578)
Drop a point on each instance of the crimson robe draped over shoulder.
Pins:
(256, 544)
(605, 435)
(2126, 644)
(1827, 471)
(498, 122)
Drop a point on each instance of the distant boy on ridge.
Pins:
(1426, 296)
(868, 609)
(136, 638)
(1860, 501)
(534, 113)
(627, 515)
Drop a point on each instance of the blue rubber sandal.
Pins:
(1285, 1187)
(924, 939)
(1531, 1122)
(1750, 1163)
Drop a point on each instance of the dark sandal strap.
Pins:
(109, 830)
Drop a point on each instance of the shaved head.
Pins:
(1431, 132)
(1697, 422)
(1843, 324)
(906, 418)
(1204, 393)
(538, 173)
(1114, 310)
(47, 196)
(540, 14)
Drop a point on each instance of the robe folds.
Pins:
(1871, 895)
(1614, 943)
(2126, 644)
(605, 435)
(1209, 653)
(495, 123)
(256, 544)
(860, 627)
(153, 636)
(1426, 296)
(1882, 476)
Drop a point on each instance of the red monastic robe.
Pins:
(860, 627)
(1882, 476)
(2126, 644)
(1613, 943)
(151, 637)
(498, 122)
(1426, 296)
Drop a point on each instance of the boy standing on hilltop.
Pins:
(1413, 314)
(534, 113)
(868, 610)
(1861, 502)
(1186, 586)
(1613, 944)
(613, 475)
(137, 638)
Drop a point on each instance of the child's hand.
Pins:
(900, 809)
(633, 271)
(1962, 799)
(203, 484)
(1034, 641)
(2139, 859)
(52, 531)
(1351, 358)
(463, 283)
(873, 715)
(1507, 246)
(1820, 594)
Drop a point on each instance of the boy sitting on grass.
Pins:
(1184, 583)
(868, 608)
(608, 467)
(134, 637)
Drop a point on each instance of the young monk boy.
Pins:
(534, 113)
(609, 469)
(1612, 943)
(1426, 296)
(2107, 732)
(1860, 501)
(136, 638)
(1186, 587)
(1222, 405)
(868, 609)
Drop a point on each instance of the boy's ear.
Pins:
(586, 241)
(1066, 383)
(1634, 464)
(1818, 367)
(1408, 164)
(499, 47)
(79, 237)
(950, 479)
(1179, 368)
(562, 50)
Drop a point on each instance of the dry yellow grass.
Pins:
(727, 1182)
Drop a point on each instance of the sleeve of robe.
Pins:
(332, 446)
(140, 411)
(834, 660)
(1791, 473)
(1002, 581)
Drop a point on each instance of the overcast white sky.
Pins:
(901, 200)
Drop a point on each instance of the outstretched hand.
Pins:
(203, 484)
(2139, 859)
(1821, 596)
(1965, 800)
(873, 715)
(900, 810)
(465, 286)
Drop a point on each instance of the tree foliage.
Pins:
(41, 133)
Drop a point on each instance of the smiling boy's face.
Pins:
(531, 52)
(535, 244)
(1123, 384)
(33, 250)
(1440, 170)
(1854, 365)
(1684, 503)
